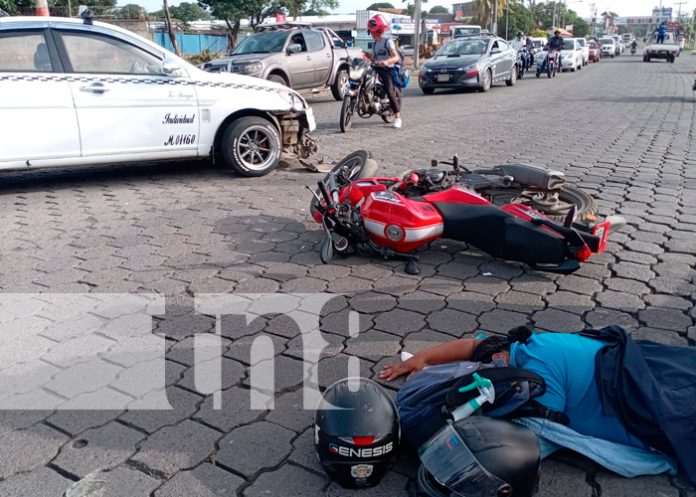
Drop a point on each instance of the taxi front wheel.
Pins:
(251, 146)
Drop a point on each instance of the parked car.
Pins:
(81, 94)
(473, 62)
(407, 50)
(582, 42)
(619, 46)
(608, 47)
(463, 30)
(595, 51)
(294, 55)
(571, 55)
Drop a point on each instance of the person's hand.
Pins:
(408, 367)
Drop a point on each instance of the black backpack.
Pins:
(426, 400)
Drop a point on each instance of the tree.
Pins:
(98, 7)
(131, 11)
(295, 7)
(187, 12)
(381, 5)
(439, 9)
(483, 11)
(518, 18)
(410, 10)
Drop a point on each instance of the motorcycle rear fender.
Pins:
(533, 176)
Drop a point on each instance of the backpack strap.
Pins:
(533, 409)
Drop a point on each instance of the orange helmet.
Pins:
(377, 24)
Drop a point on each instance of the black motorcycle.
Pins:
(523, 62)
(365, 95)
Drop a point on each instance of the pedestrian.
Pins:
(633, 393)
(385, 56)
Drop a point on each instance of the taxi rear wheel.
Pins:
(251, 146)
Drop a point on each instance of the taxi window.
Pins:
(91, 53)
(25, 52)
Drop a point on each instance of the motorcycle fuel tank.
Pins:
(399, 223)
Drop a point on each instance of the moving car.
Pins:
(473, 62)
(407, 50)
(571, 55)
(582, 42)
(668, 50)
(608, 47)
(465, 30)
(294, 55)
(595, 51)
(82, 93)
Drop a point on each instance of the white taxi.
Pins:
(81, 93)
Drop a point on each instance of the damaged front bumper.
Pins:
(296, 127)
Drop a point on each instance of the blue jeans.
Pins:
(622, 459)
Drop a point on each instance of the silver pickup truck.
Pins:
(297, 56)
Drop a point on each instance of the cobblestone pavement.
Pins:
(621, 129)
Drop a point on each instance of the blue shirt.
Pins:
(567, 364)
(662, 30)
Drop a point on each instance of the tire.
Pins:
(277, 78)
(570, 195)
(647, 58)
(360, 164)
(428, 91)
(487, 81)
(251, 146)
(513, 77)
(347, 110)
(550, 70)
(338, 89)
(538, 73)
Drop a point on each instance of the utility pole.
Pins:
(507, 20)
(417, 20)
(679, 13)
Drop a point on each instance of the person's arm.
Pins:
(456, 350)
(394, 55)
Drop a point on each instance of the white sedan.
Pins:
(75, 93)
(571, 55)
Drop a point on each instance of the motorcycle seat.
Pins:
(533, 176)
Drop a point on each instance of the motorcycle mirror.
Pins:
(455, 162)
(326, 250)
(433, 163)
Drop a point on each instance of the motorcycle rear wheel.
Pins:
(569, 196)
(357, 165)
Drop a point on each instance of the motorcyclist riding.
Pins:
(634, 45)
(518, 44)
(556, 44)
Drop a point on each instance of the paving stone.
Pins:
(204, 481)
(24, 450)
(452, 322)
(598, 318)
(633, 271)
(415, 342)
(371, 302)
(399, 322)
(335, 368)
(620, 300)
(488, 285)
(232, 372)
(185, 446)
(555, 320)
(303, 453)
(615, 486)
(500, 321)
(669, 301)
(536, 284)
(333, 344)
(290, 412)
(120, 482)
(421, 302)
(441, 286)
(628, 286)
(240, 349)
(83, 378)
(252, 448)
(41, 482)
(667, 319)
(395, 285)
(288, 480)
(660, 336)
(672, 286)
(471, 302)
(458, 270)
(235, 410)
(519, 301)
(288, 372)
(183, 405)
(373, 345)
(578, 284)
(98, 449)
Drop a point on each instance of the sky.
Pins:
(625, 8)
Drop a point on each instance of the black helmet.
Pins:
(356, 432)
(520, 34)
(480, 456)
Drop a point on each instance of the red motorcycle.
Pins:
(514, 212)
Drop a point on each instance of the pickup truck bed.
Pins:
(668, 50)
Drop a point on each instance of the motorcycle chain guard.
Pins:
(533, 176)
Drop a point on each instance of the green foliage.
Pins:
(439, 9)
(98, 7)
(187, 12)
(381, 5)
(130, 11)
(296, 7)
(519, 18)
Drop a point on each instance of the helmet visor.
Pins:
(448, 459)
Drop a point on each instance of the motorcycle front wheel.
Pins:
(554, 208)
(354, 166)
(347, 110)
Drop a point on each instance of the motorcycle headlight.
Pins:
(253, 67)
